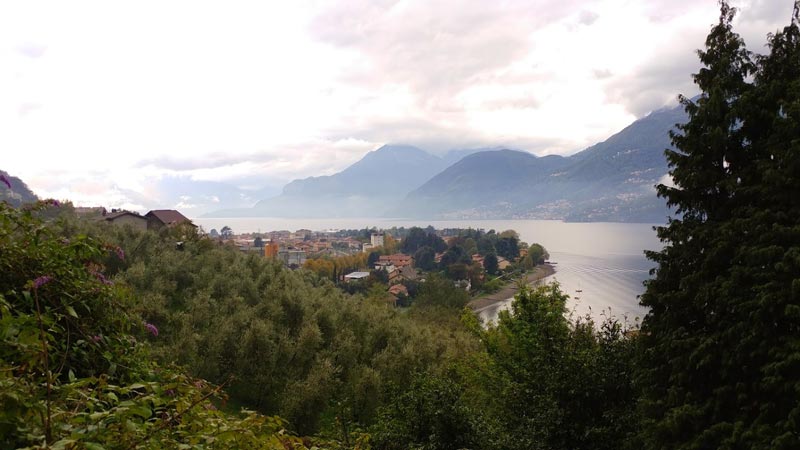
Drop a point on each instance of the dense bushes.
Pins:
(74, 372)
(294, 343)
(543, 382)
(289, 342)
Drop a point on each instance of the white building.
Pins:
(355, 276)
(376, 240)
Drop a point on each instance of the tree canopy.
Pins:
(721, 339)
(417, 238)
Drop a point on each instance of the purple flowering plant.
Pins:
(151, 328)
(74, 356)
(41, 281)
(102, 278)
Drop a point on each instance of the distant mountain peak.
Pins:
(394, 148)
(370, 185)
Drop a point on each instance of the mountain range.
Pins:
(610, 181)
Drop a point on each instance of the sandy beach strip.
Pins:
(510, 289)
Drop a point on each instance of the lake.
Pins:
(600, 265)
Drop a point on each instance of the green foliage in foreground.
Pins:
(543, 382)
(73, 370)
(290, 343)
(294, 344)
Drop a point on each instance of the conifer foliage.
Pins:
(721, 342)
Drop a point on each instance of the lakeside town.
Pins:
(388, 264)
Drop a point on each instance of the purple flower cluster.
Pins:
(5, 180)
(102, 278)
(97, 338)
(120, 253)
(151, 328)
(41, 281)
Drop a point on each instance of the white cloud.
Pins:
(105, 101)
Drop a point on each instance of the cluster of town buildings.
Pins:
(292, 248)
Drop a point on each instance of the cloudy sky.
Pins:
(195, 104)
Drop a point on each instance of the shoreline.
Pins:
(509, 290)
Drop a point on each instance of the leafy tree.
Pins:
(430, 415)
(536, 255)
(470, 246)
(438, 291)
(458, 271)
(226, 232)
(558, 384)
(486, 245)
(425, 259)
(508, 247)
(490, 264)
(417, 238)
(390, 244)
(510, 234)
(380, 275)
(455, 255)
(721, 338)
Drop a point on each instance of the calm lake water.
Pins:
(601, 266)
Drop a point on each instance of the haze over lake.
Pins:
(605, 261)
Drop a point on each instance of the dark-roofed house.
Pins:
(123, 218)
(409, 273)
(159, 218)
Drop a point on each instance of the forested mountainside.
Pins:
(14, 191)
(610, 181)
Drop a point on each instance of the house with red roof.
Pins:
(398, 260)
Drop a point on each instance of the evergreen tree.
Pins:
(373, 258)
(490, 263)
(721, 338)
